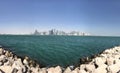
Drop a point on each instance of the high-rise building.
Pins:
(36, 32)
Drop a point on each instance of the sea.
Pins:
(57, 50)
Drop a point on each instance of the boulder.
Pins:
(68, 70)
(103, 55)
(117, 61)
(19, 71)
(50, 70)
(57, 69)
(101, 69)
(18, 65)
(82, 67)
(71, 67)
(109, 51)
(99, 61)
(83, 71)
(90, 68)
(1, 51)
(7, 54)
(76, 70)
(1, 71)
(25, 62)
(1, 63)
(14, 70)
(110, 61)
(3, 58)
(6, 69)
(35, 70)
(7, 63)
(117, 49)
(117, 56)
(43, 70)
(113, 68)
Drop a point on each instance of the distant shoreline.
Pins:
(54, 35)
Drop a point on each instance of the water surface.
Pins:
(57, 50)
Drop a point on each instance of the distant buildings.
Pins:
(57, 32)
(36, 32)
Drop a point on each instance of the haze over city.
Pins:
(92, 16)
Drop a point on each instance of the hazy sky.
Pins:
(98, 17)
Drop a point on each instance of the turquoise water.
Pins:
(57, 50)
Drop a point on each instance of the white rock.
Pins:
(1, 63)
(25, 62)
(57, 69)
(109, 51)
(35, 70)
(83, 71)
(18, 65)
(6, 69)
(90, 68)
(43, 70)
(99, 61)
(104, 55)
(54, 70)
(14, 70)
(68, 70)
(113, 68)
(75, 71)
(7, 63)
(110, 61)
(82, 67)
(1, 51)
(101, 69)
(71, 67)
(19, 71)
(50, 70)
(2, 58)
(117, 61)
(117, 56)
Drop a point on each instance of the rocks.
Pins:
(1, 51)
(25, 62)
(100, 70)
(58, 69)
(6, 69)
(68, 70)
(113, 68)
(54, 70)
(106, 62)
(10, 63)
(14, 70)
(82, 66)
(90, 68)
(1, 71)
(83, 71)
(50, 70)
(75, 70)
(43, 70)
(99, 61)
(18, 65)
(110, 61)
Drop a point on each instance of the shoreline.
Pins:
(107, 61)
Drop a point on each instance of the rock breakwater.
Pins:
(106, 62)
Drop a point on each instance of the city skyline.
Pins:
(95, 17)
(60, 32)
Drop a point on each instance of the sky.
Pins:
(97, 17)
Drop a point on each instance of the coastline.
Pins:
(107, 61)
